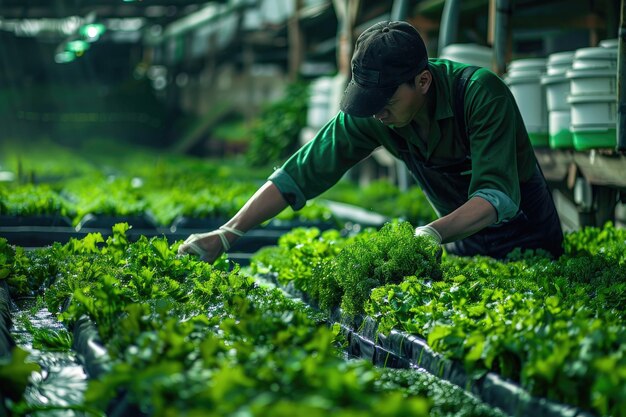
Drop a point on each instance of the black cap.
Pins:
(385, 56)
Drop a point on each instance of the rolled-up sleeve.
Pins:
(320, 164)
(506, 208)
(290, 191)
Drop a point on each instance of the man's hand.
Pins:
(429, 231)
(209, 246)
(432, 234)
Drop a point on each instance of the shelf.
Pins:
(554, 163)
(601, 169)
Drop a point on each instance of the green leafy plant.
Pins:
(34, 200)
(186, 337)
(276, 132)
(555, 327)
(384, 257)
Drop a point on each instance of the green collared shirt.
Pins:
(501, 154)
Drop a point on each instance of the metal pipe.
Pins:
(399, 9)
(449, 24)
(502, 21)
(621, 82)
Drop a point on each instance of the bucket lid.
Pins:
(591, 73)
(561, 58)
(609, 43)
(467, 48)
(468, 53)
(591, 98)
(522, 78)
(528, 64)
(525, 70)
(595, 53)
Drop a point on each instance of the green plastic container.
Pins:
(594, 120)
(524, 80)
(563, 139)
(594, 139)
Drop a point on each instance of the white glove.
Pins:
(210, 252)
(428, 231)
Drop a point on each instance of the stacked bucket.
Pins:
(593, 96)
(524, 80)
(468, 53)
(570, 101)
(557, 89)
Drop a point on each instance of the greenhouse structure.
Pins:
(344, 208)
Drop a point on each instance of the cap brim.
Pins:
(364, 102)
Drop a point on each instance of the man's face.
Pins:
(403, 106)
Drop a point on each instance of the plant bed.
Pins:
(6, 341)
(32, 380)
(38, 236)
(41, 236)
(406, 351)
(7, 344)
(205, 224)
(104, 222)
(185, 337)
(90, 349)
(41, 220)
(399, 349)
(58, 381)
(554, 329)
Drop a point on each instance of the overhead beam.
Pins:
(19, 9)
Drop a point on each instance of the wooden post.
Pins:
(346, 11)
(500, 33)
(296, 42)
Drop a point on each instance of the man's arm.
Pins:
(266, 203)
(473, 216)
(313, 169)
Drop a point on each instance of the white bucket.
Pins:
(559, 62)
(593, 81)
(593, 121)
(524, 81)
(560, 134)
(609, 43)
(468, 53)
(529, 67)
(595, 58)
(557, 88)
(318, 112)
(593, 110)
(531, 102)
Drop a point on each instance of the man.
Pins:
(466, 146)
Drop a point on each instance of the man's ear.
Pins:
(423, 81)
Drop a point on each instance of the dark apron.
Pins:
(536, 225)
